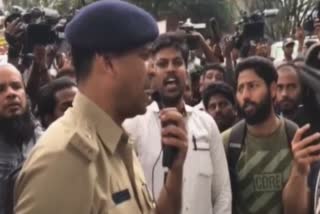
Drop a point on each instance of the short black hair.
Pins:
(263, 67)
(170, 40)
(82, 59)
(213, 66)
(46, 98)
(66, 72)
(288, 64)
(221, 88)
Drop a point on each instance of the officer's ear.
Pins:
(104, 61)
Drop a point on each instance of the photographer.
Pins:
(38, 75)
(13, 34)
(211, 55)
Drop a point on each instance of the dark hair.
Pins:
(66, 72)
(170, 40)
(46, 99)
(297, 71)
(288, 64)
(214, 66)
(261, 66)
(82, 59)
(218, 88)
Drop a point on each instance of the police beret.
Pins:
(111, 25)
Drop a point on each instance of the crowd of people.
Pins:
(89, 128)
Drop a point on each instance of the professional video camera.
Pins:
(41, 26)
(251, 27)
(313, 16)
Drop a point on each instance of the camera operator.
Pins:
(13, 34)
(38, 75)
(211, 55)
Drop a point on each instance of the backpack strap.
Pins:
(291, 129)
(235, 144)
(236, 141)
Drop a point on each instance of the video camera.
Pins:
(210, 29)
(313, 16)
(41, 26)
(251, 27)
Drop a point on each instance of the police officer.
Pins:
(84, 162)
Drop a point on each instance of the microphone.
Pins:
(169, 152)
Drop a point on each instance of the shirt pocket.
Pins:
(203, 185)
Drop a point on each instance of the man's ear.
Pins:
(104, 63)
(273, 90)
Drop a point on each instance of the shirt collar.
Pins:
(107, 130)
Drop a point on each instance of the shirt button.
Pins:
(88, 136)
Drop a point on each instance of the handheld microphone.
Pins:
(169, 152)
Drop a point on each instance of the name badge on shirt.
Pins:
(121, 196)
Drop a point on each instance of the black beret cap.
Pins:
(111, 25)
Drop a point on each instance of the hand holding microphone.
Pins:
(174, 138)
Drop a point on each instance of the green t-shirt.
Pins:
(263, 169)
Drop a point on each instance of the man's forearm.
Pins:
(300, 47)
(209, 54)
(296, 195)
(170, 200)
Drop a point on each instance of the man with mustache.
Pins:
(271, 173)
(18, 130)
(289, 91)
(206, 187)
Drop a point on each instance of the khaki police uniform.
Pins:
(83, 164)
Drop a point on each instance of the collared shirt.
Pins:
(206, 184)
(200, 106)
(82, 164)
(11, 157)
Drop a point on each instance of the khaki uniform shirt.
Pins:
(83, 164)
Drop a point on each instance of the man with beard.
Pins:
(219, 102)
(84, 162)
(271, 173)
(206, 187)
(289, 92)
(18, 131)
